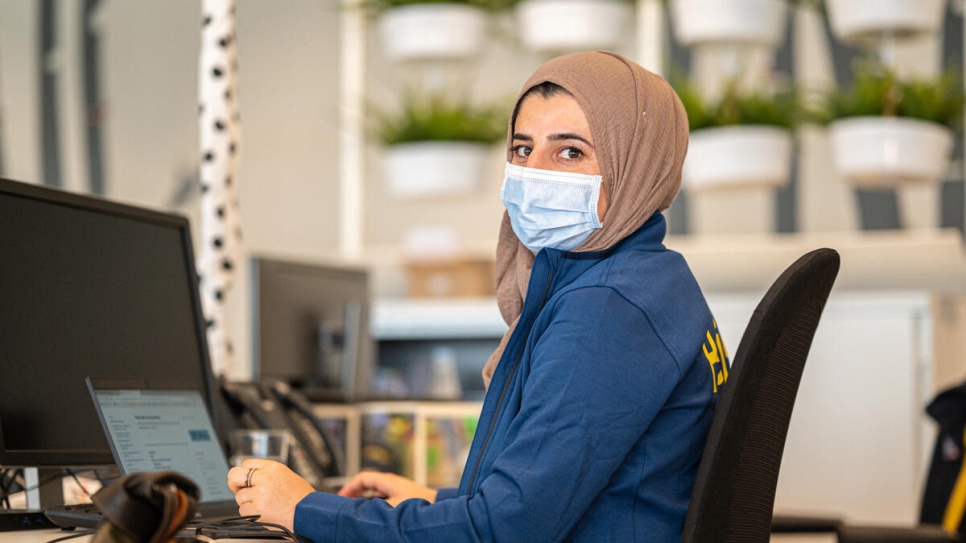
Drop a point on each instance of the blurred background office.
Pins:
(102, 97)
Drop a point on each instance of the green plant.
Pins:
(508, 4)
(437, 118)
(881, 93)
(813, 4)
(736, 107)
(376, 6)
(817, 5)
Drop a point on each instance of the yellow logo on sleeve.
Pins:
(717, 355)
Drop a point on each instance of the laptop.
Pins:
(154, 426)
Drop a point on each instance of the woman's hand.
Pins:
(388, 486)
(271, 491)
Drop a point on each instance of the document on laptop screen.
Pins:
(153, 430)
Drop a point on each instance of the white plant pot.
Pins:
(854, 20)
(434, 168)
(571, 25)
(734, 157)
(432, 31)
(730, 21)
(888, 151)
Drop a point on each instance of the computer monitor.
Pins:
(310, 327)
(88, 287)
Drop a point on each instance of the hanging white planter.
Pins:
(432, 31)
(734, 157)
(554, 26)
(888, 151)
(434, 168)
(730, 21)
(854, 20)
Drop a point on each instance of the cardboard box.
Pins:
(462, 277)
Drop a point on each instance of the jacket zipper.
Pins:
(506, 388)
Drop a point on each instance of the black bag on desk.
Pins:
(146, 507)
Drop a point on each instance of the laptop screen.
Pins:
(152, 430)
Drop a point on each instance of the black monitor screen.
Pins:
(87, 288)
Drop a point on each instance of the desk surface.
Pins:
(43, 536)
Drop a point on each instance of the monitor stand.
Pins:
(45, 487)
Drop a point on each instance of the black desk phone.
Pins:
(315, 454)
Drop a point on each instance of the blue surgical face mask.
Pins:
(557, 210)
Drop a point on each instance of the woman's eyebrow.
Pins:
(567, 136)
(555, 137)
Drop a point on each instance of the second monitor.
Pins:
(310, 328)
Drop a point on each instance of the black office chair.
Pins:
(734, 492)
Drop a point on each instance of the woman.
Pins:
(603, 390)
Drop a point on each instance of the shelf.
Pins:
(464, 318)
(932, 260)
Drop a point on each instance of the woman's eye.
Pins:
(571, 153)
(520, 151)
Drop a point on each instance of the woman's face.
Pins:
(553, 134)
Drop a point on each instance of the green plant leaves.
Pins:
(873, 93)
(735, 107)
(881, 93)
(377, 6)
(438, 118)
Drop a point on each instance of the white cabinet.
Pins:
(406, 319)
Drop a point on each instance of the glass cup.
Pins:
(267, 444)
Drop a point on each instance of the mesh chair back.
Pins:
(734, 492)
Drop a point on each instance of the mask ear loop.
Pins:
(595, 201)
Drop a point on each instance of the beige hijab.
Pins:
(640, 132)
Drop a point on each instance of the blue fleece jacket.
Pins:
(595, 420)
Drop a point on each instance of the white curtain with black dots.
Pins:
(221, 243)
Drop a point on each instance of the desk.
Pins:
(43, 536)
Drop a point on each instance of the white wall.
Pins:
(149, 77)
(19, 90)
